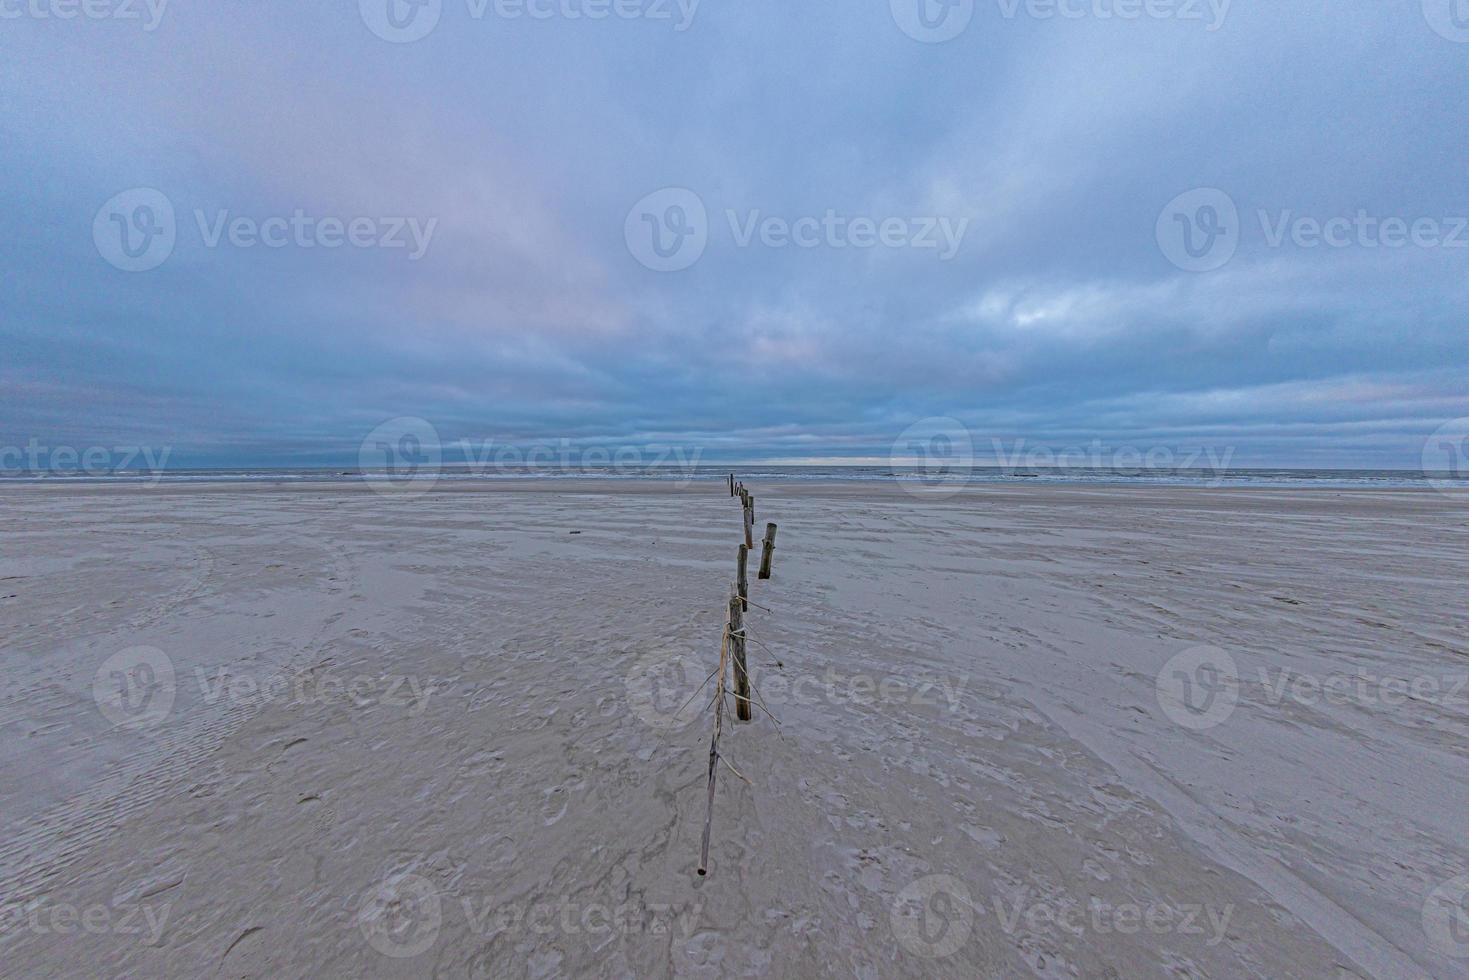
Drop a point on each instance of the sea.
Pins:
(939, 477)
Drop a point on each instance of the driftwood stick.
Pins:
(709, 816)
(714, 754)
(769, 553)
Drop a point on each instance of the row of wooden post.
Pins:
(739, 604)
(767, 553)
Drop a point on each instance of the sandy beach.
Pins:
(259, 731)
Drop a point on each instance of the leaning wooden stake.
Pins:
(737, 651)
(769, 552)
(750, 521)
(714, 753)
(743, 582)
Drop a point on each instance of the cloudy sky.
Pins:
(253, 231)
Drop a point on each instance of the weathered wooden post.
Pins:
(713, 760)
(769, 552)
(750, 521)
(744, 578)
(731, 485)
(737, 648)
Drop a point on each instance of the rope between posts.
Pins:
(747, 694)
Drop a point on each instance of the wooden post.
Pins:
(713, 763)
(737, 648)
(749, 522)
(744, 579)
(769, 552)
(731, 484)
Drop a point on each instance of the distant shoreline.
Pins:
(914, 477)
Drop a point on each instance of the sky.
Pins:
(256, 232)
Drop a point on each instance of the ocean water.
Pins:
(762, 473)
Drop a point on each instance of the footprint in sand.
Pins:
(558, 798)
(245, 955)
(322, 816)
(986, 837)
